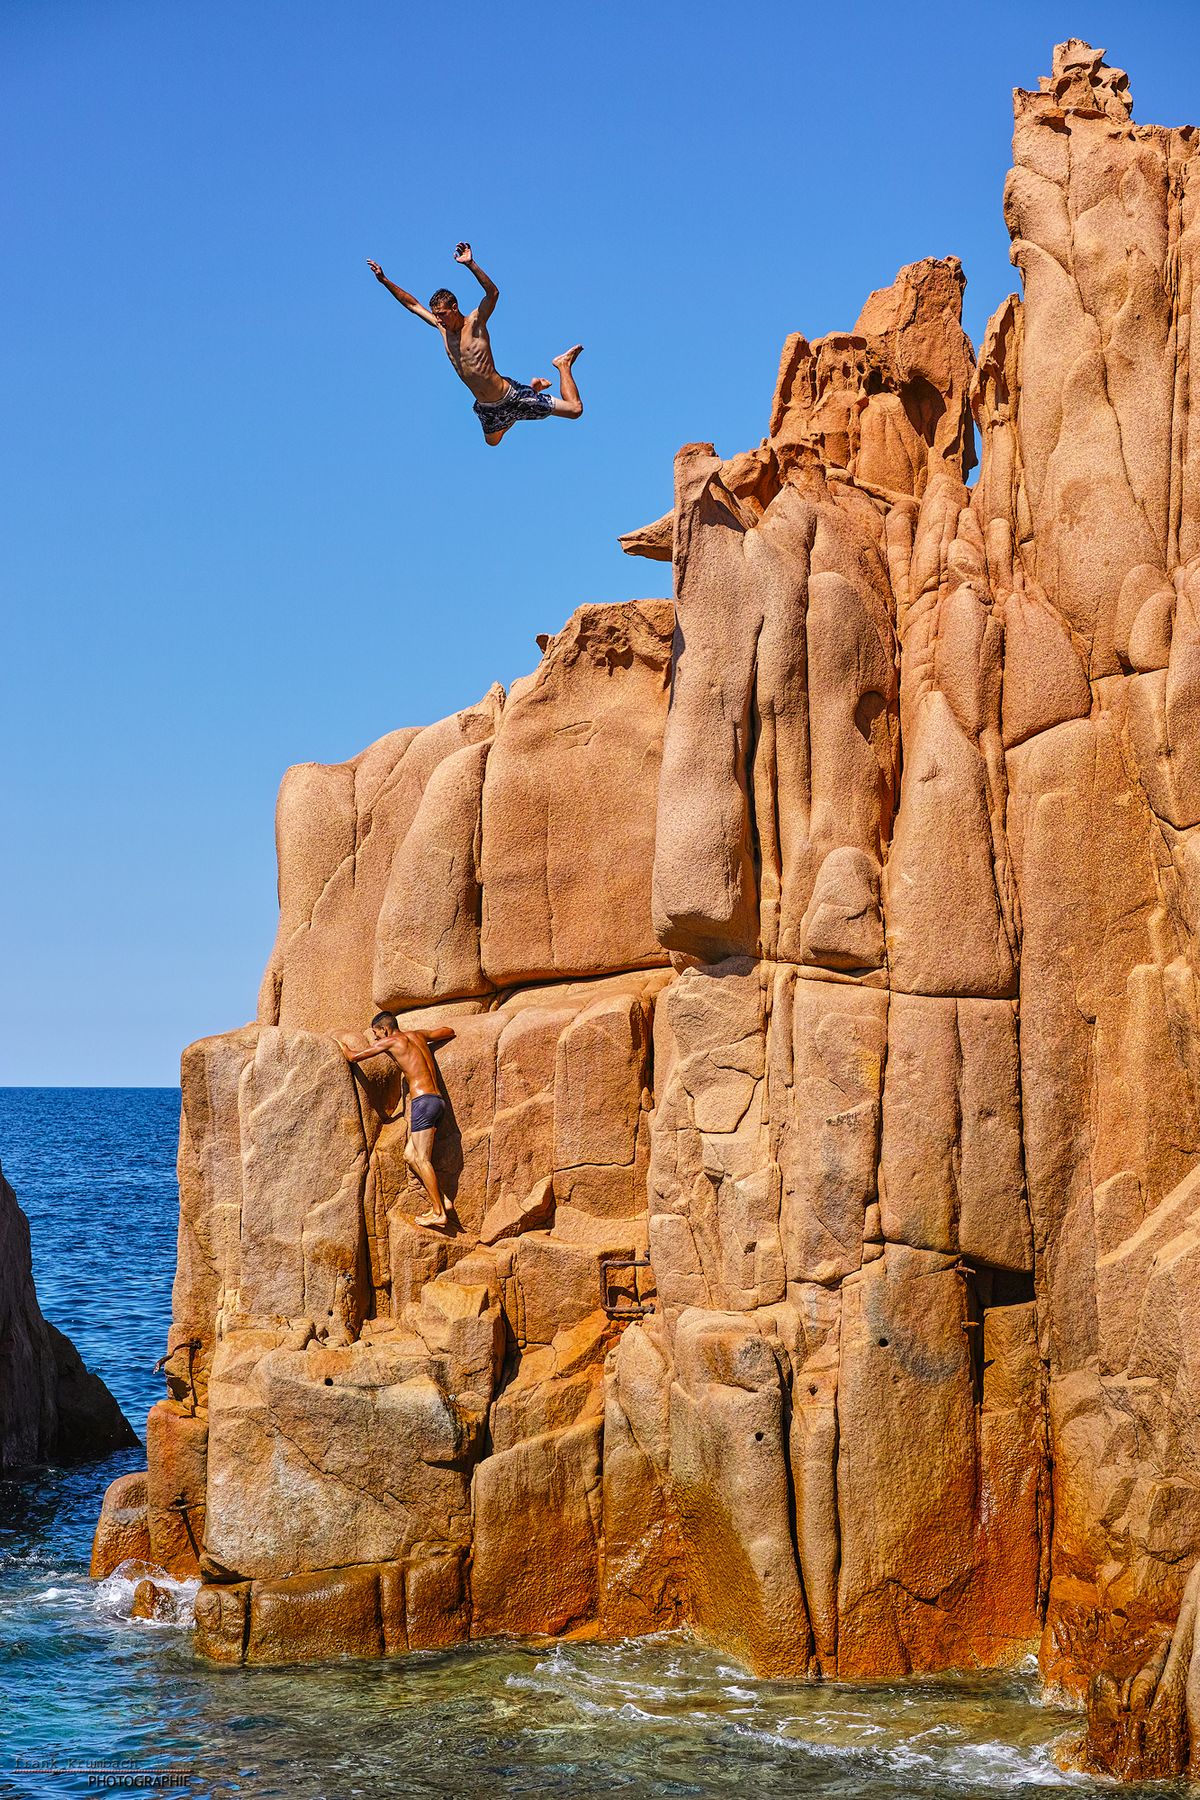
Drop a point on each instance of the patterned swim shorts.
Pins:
(520, 402)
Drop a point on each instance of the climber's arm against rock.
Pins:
(407, 300)
(372, 1049)
(442, 1035)
(491, 293)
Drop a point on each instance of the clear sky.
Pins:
(249, 517)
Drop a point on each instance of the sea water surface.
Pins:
(82, 1683)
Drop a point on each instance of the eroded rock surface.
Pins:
(823, 949)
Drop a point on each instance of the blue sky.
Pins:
(250, 518)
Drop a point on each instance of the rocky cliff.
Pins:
(52, 1409)
(824, 1109)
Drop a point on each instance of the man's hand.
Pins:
(491, 293)
(402, 295)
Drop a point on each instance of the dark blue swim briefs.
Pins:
(520, 402)
(427, 1110)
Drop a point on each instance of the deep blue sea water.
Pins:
(82, 1682)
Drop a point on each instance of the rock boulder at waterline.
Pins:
(52, 1409)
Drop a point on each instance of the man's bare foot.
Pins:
(567, 358)
(538, 383)
(434, 1221)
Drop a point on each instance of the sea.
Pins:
(93, 1700)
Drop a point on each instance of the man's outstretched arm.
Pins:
(491, 293)
(441, 1035)
(408, 300)
(374, 1049)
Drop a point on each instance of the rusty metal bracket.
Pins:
(188, 1344)
(642, 1307)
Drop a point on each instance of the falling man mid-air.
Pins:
(499, 402)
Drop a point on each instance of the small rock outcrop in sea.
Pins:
(824, 1110)
(52, 1409)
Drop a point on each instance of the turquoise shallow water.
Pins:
(81, 1682)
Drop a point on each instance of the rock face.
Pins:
(823, 949)
(52, 1409)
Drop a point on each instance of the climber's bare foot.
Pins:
(538, 383)
(568, 357)
(433, 1221)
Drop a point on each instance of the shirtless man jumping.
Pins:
(410, 1050)
(499, 402)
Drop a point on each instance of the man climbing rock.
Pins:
(410, 1050)
(499, 402)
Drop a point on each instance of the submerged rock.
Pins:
(823, 1123)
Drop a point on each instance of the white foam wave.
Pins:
(963, 1765)
(174, 1600)
(61, 1596)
